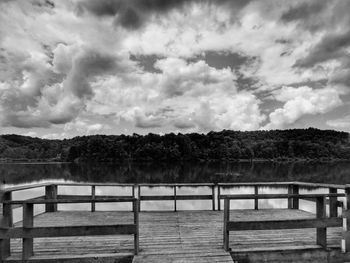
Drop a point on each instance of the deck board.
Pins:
(184, 236)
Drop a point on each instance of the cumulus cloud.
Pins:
(144, 65)
(301, 101)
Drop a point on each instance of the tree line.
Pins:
(225, 145)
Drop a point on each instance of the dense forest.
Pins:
(277, 145)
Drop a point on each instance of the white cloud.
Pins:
(73, 72)
(301, 101)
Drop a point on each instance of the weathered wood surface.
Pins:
(184, 236)
(284, 239)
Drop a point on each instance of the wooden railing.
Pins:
(321, 222)
(27, 232)
(52, 197)
(292, 188)
(174, 196)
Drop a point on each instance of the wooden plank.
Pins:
(24, 187)
(271, 184)
(64, 231)
(320, 185)
(172, 197)
(178, 185)
(73, 200)
(284, 224)
(93, 258)
(278, 196)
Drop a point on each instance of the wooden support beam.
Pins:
(133, 190)
(226, 221)
(321, 232)
(284, 224)
(67, 231)
(256, 200)
(213, 196)
(139, 196)
(136, 204)
(51, 193)
(219, 200)
(333, 203)
(175, 208)
(345, 244)
(173, 197)
(93, 196)
(28, 218)
(293, 202)
(6, 222)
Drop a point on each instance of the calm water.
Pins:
(21, 174)
(336, 172)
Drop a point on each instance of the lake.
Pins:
(326, 172)
(20, 174)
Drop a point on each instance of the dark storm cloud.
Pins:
(222, 60)
(132, 14)
(330, 47)
(147, 62)
(87, 65)
(304, 10)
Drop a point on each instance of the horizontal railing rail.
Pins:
(28, 231)
(292, 187)
(321, 222)
(175, 196)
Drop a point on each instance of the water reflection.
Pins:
(331, 172)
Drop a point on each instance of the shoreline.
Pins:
(257, 160)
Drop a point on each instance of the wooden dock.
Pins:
(137, 236)
(185, 236)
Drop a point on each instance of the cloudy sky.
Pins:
(83, 67)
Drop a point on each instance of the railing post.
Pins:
(6, 222)
(345, 243)
(293, 202)
(175, 208)
(28, 214)
(226, 220)
(139, 196)
(321, 232)
(333, 203)
(256, 200)
(213, 196)
(136, 222)
(219, 204)
(93, 195)
(133, 190)
(51, 193)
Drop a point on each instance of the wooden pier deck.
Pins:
(185, 236)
